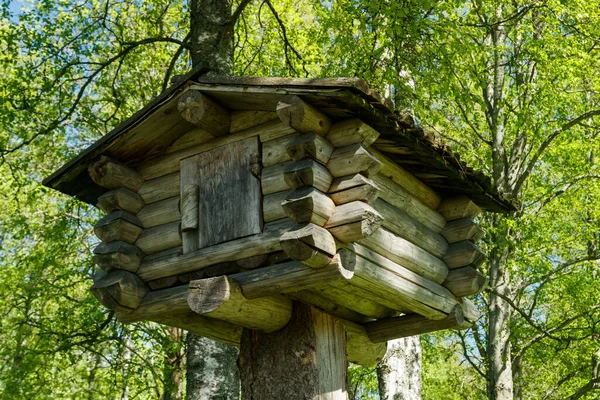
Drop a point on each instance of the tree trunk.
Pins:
(500, 382)
(212, 371)
(399, 373)
(304, 360)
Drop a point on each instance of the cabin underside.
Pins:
(263, 197)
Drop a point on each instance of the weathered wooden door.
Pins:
(228, 193)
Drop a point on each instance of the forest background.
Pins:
(513, 86)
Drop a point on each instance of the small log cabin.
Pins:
(246, 209)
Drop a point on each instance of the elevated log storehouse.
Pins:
(294, 208)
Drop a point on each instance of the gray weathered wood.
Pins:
(120, 290)
(409, 255)
(160, 212)
(161, 188)
(118, 225)
(405, 226)
(274, 151)
(359, 347)
(353, 221)
(262, 243)
(111, 174)
(465, 281)
(408, 181)
(353, 297)
(118, 255)
(307, 173)
(190, 206)
(272, 209)
(310, 244)
(353, 188)
(273, 180)
(351, 131)
(301, 116)
(289, 277)
(353, 159)
(244, 119)
(458, 207)
(411, 325)
(464, 253)
(310, 145)
(311, 350)
(462, 229)
(308, 204)
(159, 238)
(197, 108)
(331, 307)
(397, 196)
(120, 199)
(221, 298)
(229, 193)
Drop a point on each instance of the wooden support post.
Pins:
(292, 110)
(118, 255)
(463, 254)
(353, 188)
(120, 199)
(120, 290)
(351, 131)
(190, 206)
(221, 298)
(200, 110)
(458, 207)
(308, 204)
(354, 221)
(118, 225)
(304, 360)
(353, 159)
(462, 229)
(307, 173)
(111, 174)
(310, 244)
(412, 324)
(310, 145)
(465, 281)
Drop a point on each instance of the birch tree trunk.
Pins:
(212, 371)
(399, 373)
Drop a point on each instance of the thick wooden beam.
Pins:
(353, 188)
(289, 277)
(272, 209)
(161, 188)
(354, 221)
(304, 360)
(160, 212)
(309, 145)
(308, 204)
(354, 298)
(307, 173)
(272, 179)
(412, 325)
(410, 256)
(465, 281)
(197, 108)
(408, 181)
(118, 225)
(359, 347)
(330, 307)
(252, 261)
(159, 238)
(262, 243)
(274, 151)
(120, 290)
(244, 119)
(470, 310)
(120, 199)
(310, 244)
(458, 207)
(118, 255)
(405, 226)
(111, 174)
(351, 131)
(303, 117)
(190, 207)
(353, 159)
(464, 253)
(462, 229)
(221, 298)
(397, 196)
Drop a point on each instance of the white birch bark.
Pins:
(399, 373)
